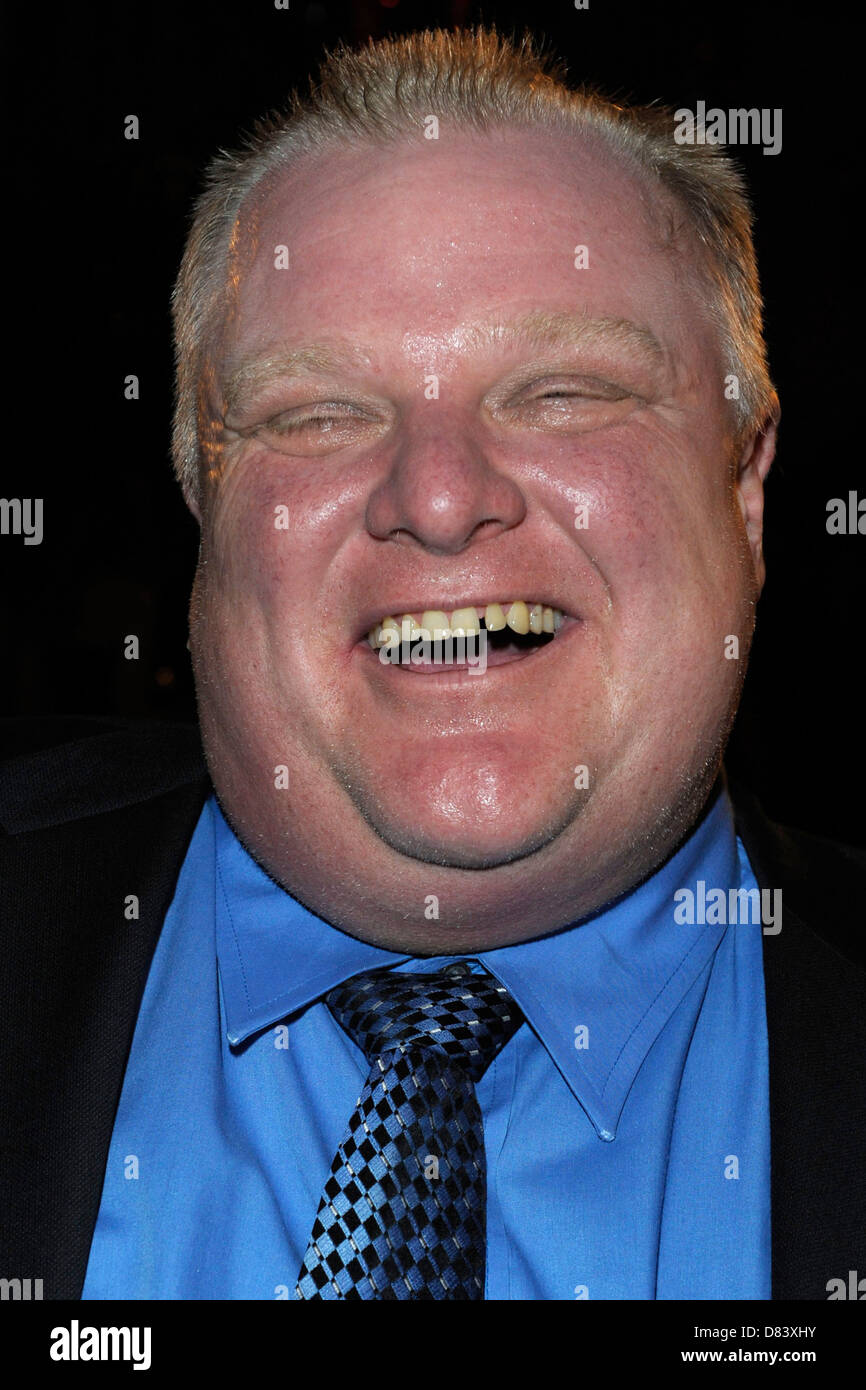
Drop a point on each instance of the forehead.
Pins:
(410, 245)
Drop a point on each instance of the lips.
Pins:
(433, 641)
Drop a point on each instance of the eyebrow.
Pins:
(537, 329)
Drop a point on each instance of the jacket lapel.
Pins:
(816, 1023)
(77, 963)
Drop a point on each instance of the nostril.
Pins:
(485, 530)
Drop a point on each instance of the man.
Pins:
(446, 980)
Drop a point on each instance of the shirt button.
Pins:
(458, 972)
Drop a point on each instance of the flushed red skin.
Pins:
(458, 786)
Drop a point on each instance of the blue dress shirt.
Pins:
(625, 1123)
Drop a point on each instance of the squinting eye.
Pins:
(577, 408)
(320, 422)
(313, 432)
(586, 393)
(323, 423)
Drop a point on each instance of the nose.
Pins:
(443, 491)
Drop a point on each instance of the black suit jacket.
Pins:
(108, 810)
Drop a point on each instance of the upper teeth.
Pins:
(435, 625)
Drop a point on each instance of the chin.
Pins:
(469, 844)
(481, 810)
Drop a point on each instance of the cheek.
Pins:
(269, 535)
(660, 524)
(663, 533)
(265, 617)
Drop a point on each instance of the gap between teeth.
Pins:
(437, 626)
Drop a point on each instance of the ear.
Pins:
(192, 501)
(753, 466)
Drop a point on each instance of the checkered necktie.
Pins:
(402, 1214)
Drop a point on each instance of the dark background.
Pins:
(97, 228)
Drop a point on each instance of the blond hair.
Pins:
(479, 80)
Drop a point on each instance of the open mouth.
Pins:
(434, 640)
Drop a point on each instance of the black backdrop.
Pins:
(97, 225)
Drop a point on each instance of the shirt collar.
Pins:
(618, 975)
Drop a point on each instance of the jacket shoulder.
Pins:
(57, 770)
(823, 881)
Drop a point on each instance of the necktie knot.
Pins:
(467, 1018)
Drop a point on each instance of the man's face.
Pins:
(394, 444)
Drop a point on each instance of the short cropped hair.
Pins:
(479, 80)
